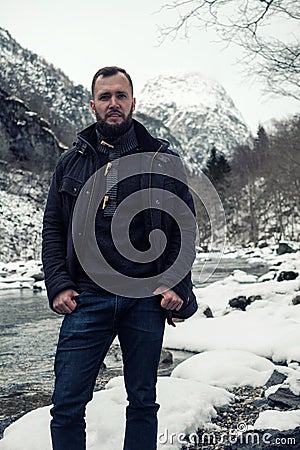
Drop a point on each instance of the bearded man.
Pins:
(125, 297)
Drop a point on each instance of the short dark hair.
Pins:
(109, 71)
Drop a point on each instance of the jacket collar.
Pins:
(88, 138)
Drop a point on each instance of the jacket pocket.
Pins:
(70, 186)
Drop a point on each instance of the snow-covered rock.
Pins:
(226, 368)
(279, 420)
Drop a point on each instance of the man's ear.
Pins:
(133, 103)
(92, 105)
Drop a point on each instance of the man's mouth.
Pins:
(114, 114)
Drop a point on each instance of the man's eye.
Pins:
(121, 95)
(104, 98)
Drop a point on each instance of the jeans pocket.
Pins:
(79, 297)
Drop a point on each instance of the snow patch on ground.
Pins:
(279, 420)
(106, 413)
(226, 368)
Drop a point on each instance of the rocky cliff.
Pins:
(26, 140)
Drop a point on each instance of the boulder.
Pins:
(208, 312)
(275, 378)
(296, 300)
(287, 275)
(166, 357)
(283, 248)
(241, 302)
(205, 310)
(284, 398)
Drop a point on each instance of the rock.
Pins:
(287, 275)
(283, 248)
(254, 298)
(239, 302)
(271, 275)
(260, 403)
(296, 300)
(36, 273)
(205, 310)
(39, 276)
(284, 398)
(166, 357)
(262, 244)
(39, 286)
(208, 313)
(275, 378)
(26, 139)
(242, 277)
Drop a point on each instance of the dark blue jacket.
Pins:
(73, 169)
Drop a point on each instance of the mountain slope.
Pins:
(44, 88)
(26, 140)
(198, 112)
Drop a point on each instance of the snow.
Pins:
(226, 368)
(234, 348)
(172, 86)
(269, 327)
(279, 420)
(105, 416)
(197, 110)
(20, 275)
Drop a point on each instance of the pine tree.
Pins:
(261, 148)
(217, 168)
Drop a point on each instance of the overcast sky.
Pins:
(81, 36)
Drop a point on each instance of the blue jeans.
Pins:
(85, 337)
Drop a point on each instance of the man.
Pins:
(98, 304)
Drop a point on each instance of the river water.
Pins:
(29, 332)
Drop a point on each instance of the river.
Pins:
(29, 332)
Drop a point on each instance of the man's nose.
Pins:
(114, 103)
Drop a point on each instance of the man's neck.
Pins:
(126, 142)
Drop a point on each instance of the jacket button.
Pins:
(74, 189)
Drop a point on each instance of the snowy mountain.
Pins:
(45, 89)
(198, 112)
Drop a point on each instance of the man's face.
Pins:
(113, 104)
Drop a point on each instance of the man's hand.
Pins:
(170, 300)
(63, 303)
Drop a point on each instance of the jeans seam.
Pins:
(116, 308)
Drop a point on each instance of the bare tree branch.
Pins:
(245, 23)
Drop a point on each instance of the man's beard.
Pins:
(114, 130)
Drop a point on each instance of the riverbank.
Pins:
(252, 332)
